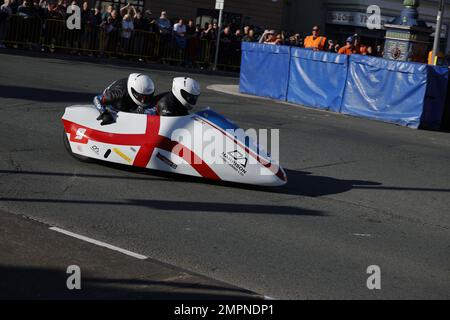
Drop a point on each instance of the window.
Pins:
(138, 4)
(212, 16)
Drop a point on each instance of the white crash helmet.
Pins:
(141, 89)
(186, 90)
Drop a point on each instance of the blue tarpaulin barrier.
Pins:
(404, 93)
(435, 96)
(317, 79)
(385, 90)
(264, 70)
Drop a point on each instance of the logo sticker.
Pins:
(239, 157)
(95, 149)
(236, 160)
(122, 155)
(166, 161)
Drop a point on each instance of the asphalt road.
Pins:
(360, 193)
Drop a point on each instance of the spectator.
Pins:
(140, 36)
(211, 32)
(128, 9)
(246, 30)
(295, 40)
(270, 37)
(250, 36)
(359, 47)
(330, 46)
(349, 47)
(40, 7)
(363, 50)
(5, 9)
(127, 28)
(379, 51)
(111, 27)
(265, 35)
(190, 28)
(238, 35)
(179, 30)
(153, 23)
(88, 27)
(226, 35)
(62, 7)
(315, 41)
(140, 23)
(98, 15)
(164, 24)
(337, 47)
(107, 13)
(14, 4)
(5, 12)
(193, 43)
(26, 9)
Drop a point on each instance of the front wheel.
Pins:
(69, 150)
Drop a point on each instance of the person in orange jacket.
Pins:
(349, 47)
(315, 41)
(440, 57)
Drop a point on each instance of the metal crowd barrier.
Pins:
(53, 35)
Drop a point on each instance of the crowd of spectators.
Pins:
(125, 23)
(318, 42)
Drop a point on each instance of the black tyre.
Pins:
(69, 150)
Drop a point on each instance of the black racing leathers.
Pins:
(117, 96)
(169, 106)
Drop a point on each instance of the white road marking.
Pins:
(99, 243)
(367, 235)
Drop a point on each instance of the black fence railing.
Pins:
(53, 35)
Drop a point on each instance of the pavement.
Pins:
(36, 263)
(360, 193)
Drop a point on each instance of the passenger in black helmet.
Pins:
(182, 98)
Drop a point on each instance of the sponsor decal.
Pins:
(79, 135)
(239, 157)
(166, 161)
(236, 160)
(122, 155)
(107, 153)
(95, 149)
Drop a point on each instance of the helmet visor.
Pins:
(142, 98)
(190, 98)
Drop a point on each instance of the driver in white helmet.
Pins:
(182, 98)
(132, 94)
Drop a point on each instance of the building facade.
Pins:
(263, 13)
(340, 19)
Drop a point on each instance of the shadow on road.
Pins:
(194, 206)
(307, 184)
(300, 183)
(44, 95)
(18, 282)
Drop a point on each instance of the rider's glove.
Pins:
(106, 117)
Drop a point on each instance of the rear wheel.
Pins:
(69, 150)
